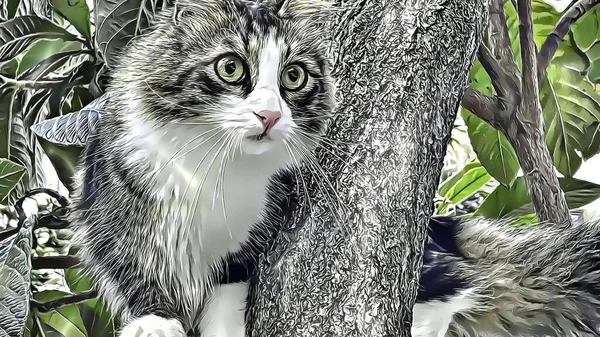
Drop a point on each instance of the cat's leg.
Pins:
(433, 318)
(153, 326)
(224, 314)
(145, 309)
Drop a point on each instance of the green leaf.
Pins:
(21, 148)
(493, 150)
(462, 185)
(570, 105)
(82, 74)
(78, 281)
(10, 68)
(78, 14)
(38, 51)
(93, 313)
(50, 64)
(19, 33)
(66, 320)
(10, 175)
(64, 159)
(515, 201)
(586, 31)
(15, 277)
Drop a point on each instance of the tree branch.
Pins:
(483, 106)
(54, 262)
(526, 133)
(499, 42)
(61, 302)
(563, 26)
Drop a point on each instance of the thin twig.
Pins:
(66, 300)
(499, 40)
(562, 28)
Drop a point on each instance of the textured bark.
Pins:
(348, 263)
(515, 109)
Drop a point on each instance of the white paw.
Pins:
(153, 326)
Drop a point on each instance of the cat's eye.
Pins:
(293, 77)
(230, 69)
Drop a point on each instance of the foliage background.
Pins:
(55, 58)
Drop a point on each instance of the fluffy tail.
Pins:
(483, 278)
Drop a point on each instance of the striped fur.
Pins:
(177, 191)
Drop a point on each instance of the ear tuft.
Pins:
(305, 9)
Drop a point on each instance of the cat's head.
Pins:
(256, 72)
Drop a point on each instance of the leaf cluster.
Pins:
(570, 102)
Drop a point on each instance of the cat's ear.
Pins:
(304, 9)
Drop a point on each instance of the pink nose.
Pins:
(268, 118)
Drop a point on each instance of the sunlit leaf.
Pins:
(74, 128)
(38, 51)
(77, 12)
(10, 175)
(66, 319)
(15, 276)
(19, 33)
(515, 201)
(462, 185)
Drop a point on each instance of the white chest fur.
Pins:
(212, 194)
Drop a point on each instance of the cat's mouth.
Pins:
(260, 137)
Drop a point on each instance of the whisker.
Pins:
(316, 169)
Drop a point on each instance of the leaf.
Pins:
(515, 201)
(571, 105)
(493, 150)
(66, 320)
(78, 281)
(50, 64)
(73, 128)
(93, 313)
(10, 175)
(38, 51)
(15, 275)
(462, 185)
(82, 74)
(118, 21)
(19, 33)
(10, 68)
(78, 14)
(64, 159)
(585, 33)
(21, 149)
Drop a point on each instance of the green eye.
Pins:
(230, 69)
(293, 77)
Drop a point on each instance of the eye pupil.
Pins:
(230, 67)
(293, 75)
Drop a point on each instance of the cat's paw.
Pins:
(153, 326)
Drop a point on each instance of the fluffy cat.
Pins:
(175, 188)
(485, 278)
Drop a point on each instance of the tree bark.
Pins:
(348, 261)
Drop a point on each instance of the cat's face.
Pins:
(254, 72)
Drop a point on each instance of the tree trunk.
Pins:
(348, 262)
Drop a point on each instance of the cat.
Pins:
(206, 112)
(486, 278)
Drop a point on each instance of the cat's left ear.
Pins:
(312, 10)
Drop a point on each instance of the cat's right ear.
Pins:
(203, 8)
